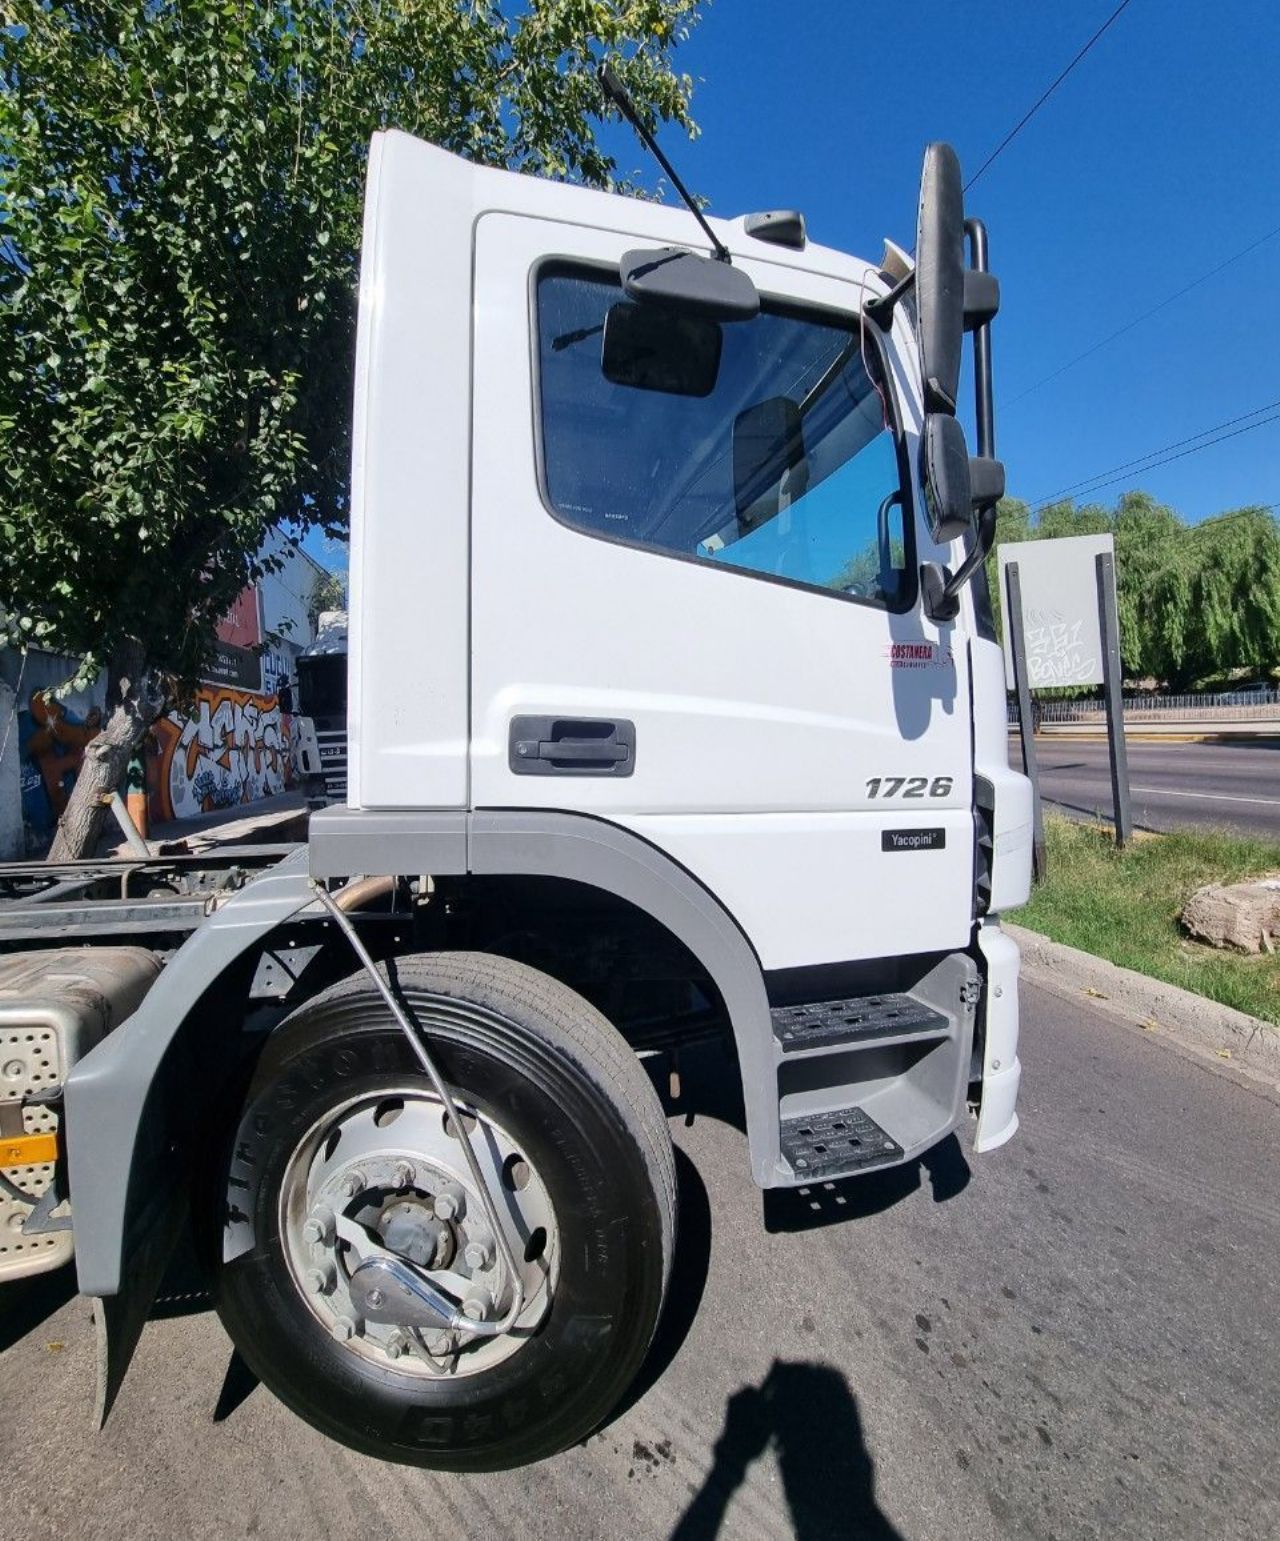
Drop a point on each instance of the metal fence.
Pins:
(1224, 706)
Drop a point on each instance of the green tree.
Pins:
(1013, 523)
(180, 202)
(1145, 532)
(329, 592)
(1215, 601)
(1193, 600)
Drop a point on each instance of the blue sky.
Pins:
(1152, 163)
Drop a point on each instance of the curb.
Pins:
(1248, 1043)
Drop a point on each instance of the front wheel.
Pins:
(342, 1138)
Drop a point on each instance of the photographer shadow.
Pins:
(809, 1416)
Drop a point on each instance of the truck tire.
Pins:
(573, 1138)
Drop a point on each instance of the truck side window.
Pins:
(785, 466)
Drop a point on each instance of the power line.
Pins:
(1168, 459)
(1044, 97)
(1146, 315)
(1118, 472)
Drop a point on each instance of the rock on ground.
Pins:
(1241, 915)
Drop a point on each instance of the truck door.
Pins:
(694, 596)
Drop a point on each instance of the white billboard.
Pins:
(1059, 608)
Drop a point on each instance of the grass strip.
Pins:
(1124, 906)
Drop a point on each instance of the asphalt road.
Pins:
(1072, 1337)
(1171, 785)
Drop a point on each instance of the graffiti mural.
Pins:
(230, 748)
(51, 740)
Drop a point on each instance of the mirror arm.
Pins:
(941, 587)
(977, 553)
(984, 402)
(881, 308)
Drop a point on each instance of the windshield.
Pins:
(779, 462)
(322, 687)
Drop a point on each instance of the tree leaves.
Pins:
(181, 189)
(1195, 602)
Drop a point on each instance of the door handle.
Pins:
(559, 750)
(571, 746)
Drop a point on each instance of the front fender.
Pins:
(117, 1120)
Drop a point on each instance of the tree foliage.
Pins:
(181, 186)
(1195, 602)
(328, 592)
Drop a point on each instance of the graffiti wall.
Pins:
(52, 727)
(232, 747)
(229, 746)
(51, 740)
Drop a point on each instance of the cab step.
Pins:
(819, 1145)
(858, 1019)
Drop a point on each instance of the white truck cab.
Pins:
(674, 710)
(629, 588)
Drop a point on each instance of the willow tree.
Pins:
(180, 201)
(1145, 533)
(1214, 604)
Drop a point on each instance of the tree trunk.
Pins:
(134, 701)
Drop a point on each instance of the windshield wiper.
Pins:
(567, 339)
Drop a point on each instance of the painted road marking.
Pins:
(1207, 797)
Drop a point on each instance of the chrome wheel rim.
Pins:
(390, 1162)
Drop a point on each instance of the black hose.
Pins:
(16, 1193)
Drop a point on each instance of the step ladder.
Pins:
(871, 1081)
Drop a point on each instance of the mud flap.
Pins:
(118, 1320)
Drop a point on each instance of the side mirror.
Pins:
(768, 441)
(682, 281)
(940, 277)
(651, 349)
(944, 473)
(956, 484)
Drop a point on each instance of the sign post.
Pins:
(1063, 630)
(1109, 622)
(1026, 723)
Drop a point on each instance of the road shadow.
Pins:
(26, 1303)
(854, 1198)
(808, 1415)
(238, 1384)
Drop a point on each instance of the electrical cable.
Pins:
(1148, 462)
(1146, 314)
(1044, 97)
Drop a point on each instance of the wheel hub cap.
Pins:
(385, 1175)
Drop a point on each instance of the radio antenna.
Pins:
(616, 92)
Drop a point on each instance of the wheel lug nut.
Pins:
(478, 1253)
(477, 1306)
(439, 1343)
(319, 1227)
(406, 1174)
(352, 1183)
(451, 1202)
(396, 1344)
(344, 1329)
(318, 1280)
